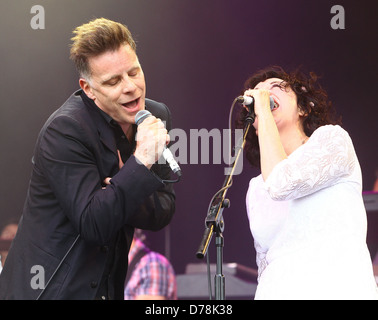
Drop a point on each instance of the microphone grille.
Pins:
(141, 115)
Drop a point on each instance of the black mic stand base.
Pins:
(219, 279)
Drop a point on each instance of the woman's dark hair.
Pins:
(311, 97)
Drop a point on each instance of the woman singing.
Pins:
(306, 211)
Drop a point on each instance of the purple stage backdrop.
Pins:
(196, 56)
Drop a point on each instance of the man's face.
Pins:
(117, 84)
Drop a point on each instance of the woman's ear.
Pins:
(302, 112)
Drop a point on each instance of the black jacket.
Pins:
(75, 151)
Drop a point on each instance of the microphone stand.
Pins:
(214, 221)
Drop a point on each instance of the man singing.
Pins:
(92, 182)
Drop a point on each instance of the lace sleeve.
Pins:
(326, 157)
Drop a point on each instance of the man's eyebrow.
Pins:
(116, 76)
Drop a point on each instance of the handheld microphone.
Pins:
(167, 154)
(247, 100)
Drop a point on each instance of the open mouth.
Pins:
(131, 104)
(275, 105)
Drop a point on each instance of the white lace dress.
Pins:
(309, 224)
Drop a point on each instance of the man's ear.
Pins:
(86, 87)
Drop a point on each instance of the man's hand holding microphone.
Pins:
(152, 137)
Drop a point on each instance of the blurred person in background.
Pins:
(150, 275)
(8, 232)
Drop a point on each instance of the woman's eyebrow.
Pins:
(280, 82)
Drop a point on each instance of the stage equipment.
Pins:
(214, 222)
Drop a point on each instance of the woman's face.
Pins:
(286, 113)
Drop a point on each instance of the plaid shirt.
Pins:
(152, 275)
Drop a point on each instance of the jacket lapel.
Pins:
(106, 135)
(105, 132)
